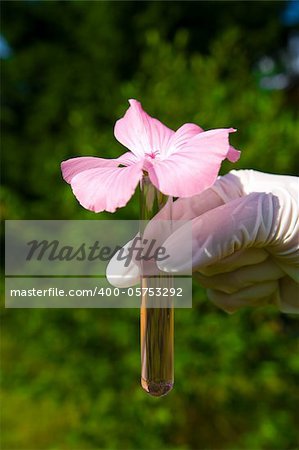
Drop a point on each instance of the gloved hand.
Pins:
(245, 241)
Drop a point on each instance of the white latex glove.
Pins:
(245, 241)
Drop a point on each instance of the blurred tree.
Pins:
(71, 376)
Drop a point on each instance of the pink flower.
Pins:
(179, 163)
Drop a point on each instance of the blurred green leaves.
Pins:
(71, 377)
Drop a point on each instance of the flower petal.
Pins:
(106, 188)
(233, 154)
(182, 136)
(141, 133)
(194, 166)
(127, 159)
(71, 167)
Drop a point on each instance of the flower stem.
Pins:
(157, 324)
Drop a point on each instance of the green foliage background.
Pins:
(71, 377)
